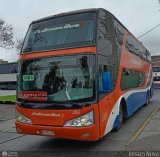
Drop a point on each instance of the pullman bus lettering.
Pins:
(46, 114)
(136, 62)
(66, 26)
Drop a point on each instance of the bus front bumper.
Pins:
(89, 133)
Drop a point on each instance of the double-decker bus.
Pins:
(156, 77)
(8, 81)
(81, 74)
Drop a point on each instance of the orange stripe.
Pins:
(57, 52)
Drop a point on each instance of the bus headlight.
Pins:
(85, 120)
(21, 118)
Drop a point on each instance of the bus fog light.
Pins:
(85, 135)
(85, 120)
(21, 118)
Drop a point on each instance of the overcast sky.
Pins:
(137, 15)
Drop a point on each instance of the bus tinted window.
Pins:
(62, 32)
(58, 75)
(137, 48)
(132, 79)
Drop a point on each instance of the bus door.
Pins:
(106, 99)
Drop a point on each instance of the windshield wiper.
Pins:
(64, 102)
(68, 104)
(23, 100)
(72, 103)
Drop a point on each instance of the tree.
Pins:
(19, 44)
(6, 35)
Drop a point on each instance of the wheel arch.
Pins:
(124, 107)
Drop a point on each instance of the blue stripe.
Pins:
(135, 101)
(116, 122)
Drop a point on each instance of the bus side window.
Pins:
(132, 79)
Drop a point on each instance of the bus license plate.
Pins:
(47, 132)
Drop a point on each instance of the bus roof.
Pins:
(86, 11)
(67, 13)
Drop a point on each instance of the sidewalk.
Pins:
(148, 138)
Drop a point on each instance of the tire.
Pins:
(121, 118)
(151, 94)
(147, 100)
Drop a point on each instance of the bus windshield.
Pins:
(61, 78)
(63, 32)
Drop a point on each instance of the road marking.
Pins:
(11, 139)
(141, 128)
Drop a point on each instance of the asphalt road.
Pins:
(114, 142)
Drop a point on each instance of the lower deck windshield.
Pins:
(62, 78)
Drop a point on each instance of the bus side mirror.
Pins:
(17, 76)
(106, 82)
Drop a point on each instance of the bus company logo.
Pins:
(46, 114)
(33, 96)
(136, 62)
(66, 26)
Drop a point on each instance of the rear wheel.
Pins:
(147, 100)
(120, 119)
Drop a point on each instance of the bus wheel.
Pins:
(147, 100)
(120, 119)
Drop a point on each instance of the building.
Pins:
(3, 61)
(156, 61)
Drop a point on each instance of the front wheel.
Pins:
(120, 119)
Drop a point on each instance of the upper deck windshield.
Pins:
(62, 78)
(62, 32)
